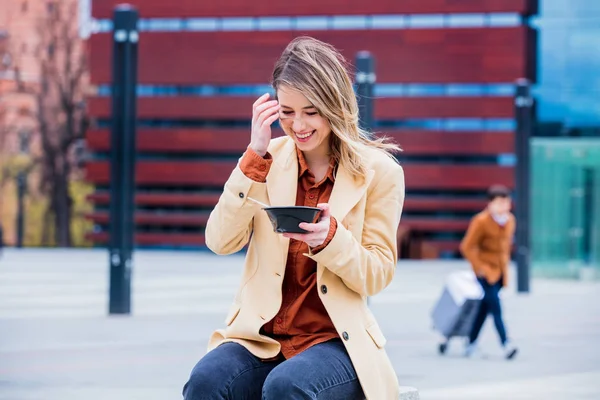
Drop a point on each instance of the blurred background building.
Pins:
(445, 85)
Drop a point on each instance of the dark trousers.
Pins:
(230, 372)
(489, 305)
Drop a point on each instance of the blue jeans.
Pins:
(230, 372)
(489, 305)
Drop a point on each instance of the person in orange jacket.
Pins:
(487, 246)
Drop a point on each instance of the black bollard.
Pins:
(21, 187)
(122, 157)
(524, 114)
(365, 82)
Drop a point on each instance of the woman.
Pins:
(299, 327)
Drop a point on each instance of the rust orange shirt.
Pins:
(302, 320)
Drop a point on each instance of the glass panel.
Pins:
(565, 206)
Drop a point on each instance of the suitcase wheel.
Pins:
(442, 348)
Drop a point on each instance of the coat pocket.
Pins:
(233, 313)
(375, 332)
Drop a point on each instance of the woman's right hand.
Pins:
(264, 113)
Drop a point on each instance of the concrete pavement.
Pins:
(57, 342)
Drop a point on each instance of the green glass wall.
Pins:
(565, 206)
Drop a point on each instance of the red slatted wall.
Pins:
(181, 170)
(258, 8)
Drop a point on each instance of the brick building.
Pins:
(20, 22)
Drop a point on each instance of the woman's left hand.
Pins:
(317, 233)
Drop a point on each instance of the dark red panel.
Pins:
(155, 239)
(429, 224)
(223, 107)
(422, 203)
(472, 55)
(149, 218)
(452, 143)
(456, 177)
(418, 176)
(257, 8)
(168, 173)
(411, 203)
(413, 142)
(178, 140)
(444, 107)
(442, 245)
(164, 199)
(240, 108)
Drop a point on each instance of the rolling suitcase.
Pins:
(455, 311)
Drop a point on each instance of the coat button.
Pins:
(241, 195)
(345, 336)
(323, 289)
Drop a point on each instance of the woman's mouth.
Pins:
(303, 137)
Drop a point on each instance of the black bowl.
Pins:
(287, 219)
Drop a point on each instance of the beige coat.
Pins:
(359, 261)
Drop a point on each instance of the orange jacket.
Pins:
(487, 246)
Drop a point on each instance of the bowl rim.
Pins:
(292, 207)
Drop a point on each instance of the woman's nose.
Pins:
(298, 125)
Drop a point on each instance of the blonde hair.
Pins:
(318, 71)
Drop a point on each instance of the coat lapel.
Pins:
(282, 185)
(347, 192)
(282, 181)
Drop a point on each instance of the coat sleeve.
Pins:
(367, 267)
(469, 246)
(229, 225)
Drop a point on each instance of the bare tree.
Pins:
(60, 113)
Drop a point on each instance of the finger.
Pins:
(319, 229)
(310, 227)
(268, 113)
(271, 119)
(325, 210)
(262, 107)
(260, 100)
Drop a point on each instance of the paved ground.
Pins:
(57, 342)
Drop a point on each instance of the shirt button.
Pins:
(323, 289)
(279, 320)
(311, 196)
(241, 195)
(345, 336)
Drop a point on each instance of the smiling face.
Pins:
(302, 122)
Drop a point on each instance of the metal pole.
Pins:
(588, 210)
(122, 175)
(365, 81)
(21, 185)
(524, 114)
